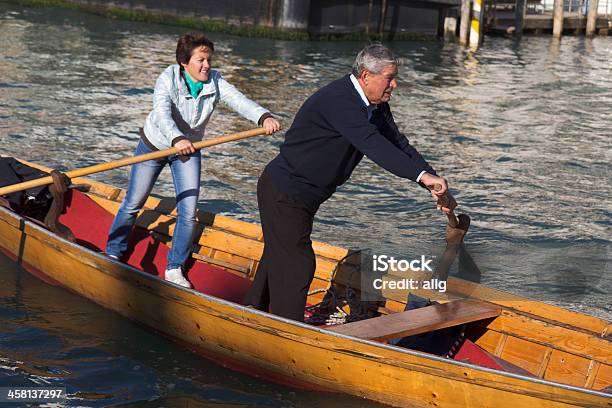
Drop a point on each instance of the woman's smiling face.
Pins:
(199, 64)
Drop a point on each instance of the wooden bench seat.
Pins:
(417, 321)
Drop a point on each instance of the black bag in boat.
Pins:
(33, 202)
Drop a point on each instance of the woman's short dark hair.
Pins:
(189, 42)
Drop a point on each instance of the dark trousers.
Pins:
(288, 262)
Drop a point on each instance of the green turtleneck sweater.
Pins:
(194, 87)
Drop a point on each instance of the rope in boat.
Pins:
(457, 344)
(328, 311)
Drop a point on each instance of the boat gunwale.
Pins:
(23, 222)
(508, 298)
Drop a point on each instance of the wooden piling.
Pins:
(476, 34)
(450, 28)
(270, 13)
(558, 19)
(464, 27)
(520, 11)
(580, 19)
(383, 15)
(592, 18)
(370, 4)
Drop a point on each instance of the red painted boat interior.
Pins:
(469, 352)
(90, 224)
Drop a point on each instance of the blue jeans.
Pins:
(186, 177)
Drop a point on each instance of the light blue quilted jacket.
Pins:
(176, 113)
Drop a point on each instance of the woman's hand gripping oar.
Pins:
(131, 160)
(456, 229)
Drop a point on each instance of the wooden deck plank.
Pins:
(419, 321)
(603, 378)
(561, 338)
(567, 368)
(522, 353)
(222, 228)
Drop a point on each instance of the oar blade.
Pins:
(454, 235)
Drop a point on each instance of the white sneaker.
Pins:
(176, 276)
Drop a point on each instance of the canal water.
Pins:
(522, 130)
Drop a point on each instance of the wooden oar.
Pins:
(130, 160)
(455, 231)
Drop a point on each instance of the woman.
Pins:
(185, 97)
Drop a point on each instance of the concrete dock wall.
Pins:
(289, 14)
(310, 18)
(342, 17)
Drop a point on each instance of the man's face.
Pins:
(378, 87)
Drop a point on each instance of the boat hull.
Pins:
(279, 349)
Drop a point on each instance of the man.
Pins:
(331, 132)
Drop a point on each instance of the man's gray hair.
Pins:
(374, 58)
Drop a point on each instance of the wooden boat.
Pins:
(545, 356)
